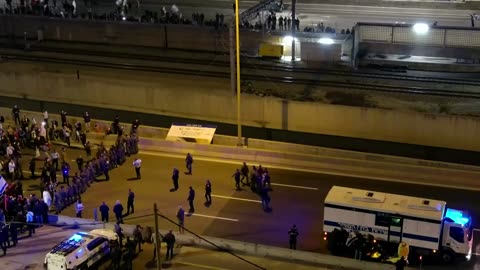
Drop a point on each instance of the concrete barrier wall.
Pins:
(187, 37)
(210, 99)
(234, 246)
(149, 132)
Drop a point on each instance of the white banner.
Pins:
(191, 133)
(3, 185)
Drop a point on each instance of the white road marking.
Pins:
(234, 198)
(293, 186)
(214, 217)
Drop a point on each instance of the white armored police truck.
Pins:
(426, 225)
(81, 250)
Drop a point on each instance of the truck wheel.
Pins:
(447, 256)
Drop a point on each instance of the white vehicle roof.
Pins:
(78, 239)
(386, 203)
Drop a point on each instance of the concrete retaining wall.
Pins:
(187, 37)
(149, 132)
(234, 246)
(210, 99)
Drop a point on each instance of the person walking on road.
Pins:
(208, 192)
(188, 163)
(181, 219)
(138, 237)
(245, 172)
(137, 163)
(170, 240)
(175, 176)
(79, 208)
(293, 234)
(131, 197)
(104, 211)
(190, 199)
(237, 175)
(118, 210)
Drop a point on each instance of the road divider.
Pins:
(238, 247)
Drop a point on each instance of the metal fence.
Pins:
(440, 36)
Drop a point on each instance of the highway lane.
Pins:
(337, 16)
(244, 220)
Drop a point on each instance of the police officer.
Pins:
(237, 175)
(208, 192)
(66, 173)
(104, 211)
(175, 177)
(131, 197)
(190, 199)
(188, 163)
(79, 161)
(137, 163)
(293, 234)
(244, 172)
(170, 240)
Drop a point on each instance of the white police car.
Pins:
(81, 250)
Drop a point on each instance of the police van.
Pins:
(428, 226)
(81, 250)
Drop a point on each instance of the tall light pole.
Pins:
(294, 25)
(237, 41)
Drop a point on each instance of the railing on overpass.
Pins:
(440, 36)
(252, 11)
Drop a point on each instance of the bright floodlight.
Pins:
(421, 28)
(326, 41)
(287, 39)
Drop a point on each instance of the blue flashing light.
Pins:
(76, 238)
(457, 216)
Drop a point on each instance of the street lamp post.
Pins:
(294, 25)
(237, 42)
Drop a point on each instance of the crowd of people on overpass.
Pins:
(19, 212)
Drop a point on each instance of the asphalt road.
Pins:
(336, 16)
(297, 198)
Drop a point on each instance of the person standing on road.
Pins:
(181, 219)
(190, 199)
(237, 175)
(170, 240)
(188, 163)
(104, 211)
(55, 156)
(293, 234)
(16, 114)
(131, 197)
(79, 208)
(137, 163)
(118, 210)
(138, 237)
(86, 119)
(175, 177)
(208, 192)
(119, 232)
(245, 171)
